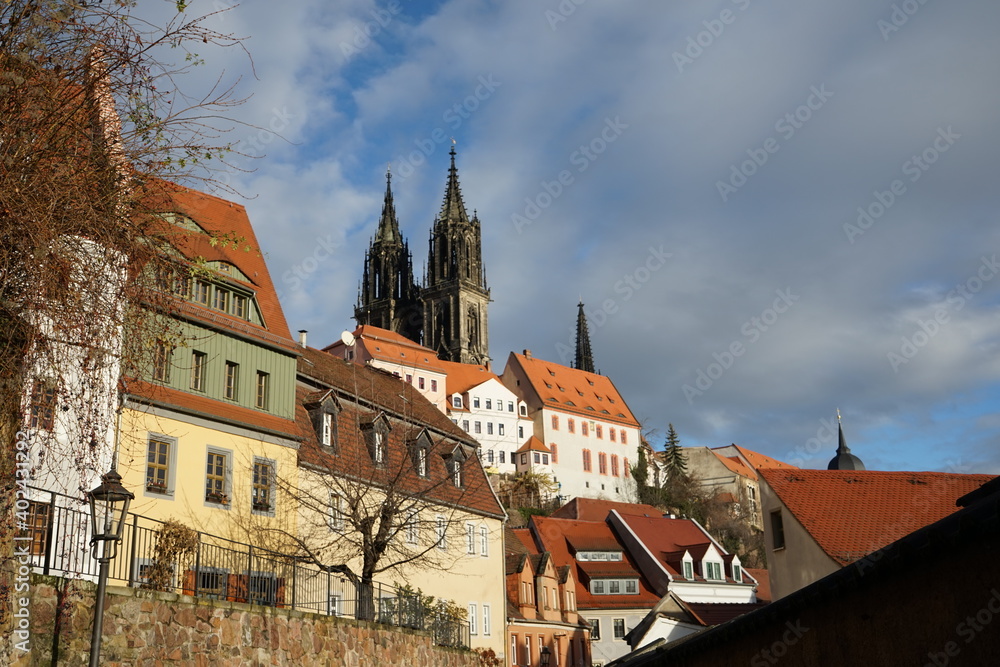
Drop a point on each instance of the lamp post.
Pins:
(544, 655)
(108, 508)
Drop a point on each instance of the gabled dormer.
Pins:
(712, 565)
(687, 566)
(376, 435)
(420, 453)
(323, 408)
(455, 462)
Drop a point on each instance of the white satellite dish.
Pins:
(347, 338)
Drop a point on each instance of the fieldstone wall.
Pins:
(150, 629)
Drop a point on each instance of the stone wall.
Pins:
(150, 629)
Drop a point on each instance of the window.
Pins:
(614, 465)
(524, 459)
(232, 380)
(221, 301)
(327, 432)
(200, 292)
(585, 429)
(586, 460)
(161, 362)
(212, 582)
(545, 459)
(434, 385)
(611, 434)
(240, 306)
(524, 410)
(513, 649)
(263, 380)
(500, 429)
(555, 453)
(422, 461)
(688, 570)
(489, 456)
(412, 530)
(478, 427)
(484, 541)
(737, 573)
(456, 473)
(217, 478)
(457, 401)
(158, 465)
(336, 604)
(409, 377)
(520, 432)
(336, 512)
(43, 404)
(198, 371)
(470, 539)
(614, 586)
(602, 463)
(777, 530)
(538, 458)
(599, 431)
(503, 456)
(631, 586)
(626, 469)
(624, 438)
(465, 425)
(420, 382)
(595, 629)
(378, 447)
(263, 485)
(555, 598)
(475, 401)
(510, 406)
(489, 404)
(619, 628)
(598, 556)
(473, 618)
(441, 526)
(571, 426)
(489, 428)
(527, 650)
(38, 527)
(713, 571)
(555, 422)
(486, 620)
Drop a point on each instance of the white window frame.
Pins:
(473, 619)
(484, 541)
(441, 528)
(617, 623)
(336, 512)
(688, 568)
(486, 620)
(327, 429)
(227, 479)
(470, 539)
(412, 530)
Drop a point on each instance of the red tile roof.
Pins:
(229, 238)
(392, 347)
(853, 513)
(463, 377)
(734, 464)
(669, 539)
(555, 535)
(758, 460)
(573, 390)
(533, 444)
(590, 509)
(763, 578)
(363, 392)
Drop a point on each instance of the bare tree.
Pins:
(92, 119)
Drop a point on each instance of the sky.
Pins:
(772, 210)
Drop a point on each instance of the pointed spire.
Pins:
(584, 357)
(388, 226)
(453, 208)
(844, 460)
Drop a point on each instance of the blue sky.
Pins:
(772, 210)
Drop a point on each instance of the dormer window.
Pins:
(376, 435)
(457, 401)
(456, 473)
(420, 449)
(688, 567)
(454, 462)
(737, 573)
(713, 571)
(323, 414)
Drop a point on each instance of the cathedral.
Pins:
(447, 313)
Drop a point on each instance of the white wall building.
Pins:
(583, 421)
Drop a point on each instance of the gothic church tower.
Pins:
(455, 295)
(388, 296)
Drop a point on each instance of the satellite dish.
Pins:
(347, 338)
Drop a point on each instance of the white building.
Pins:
(395, 354)
(487, 410)
(583, 421)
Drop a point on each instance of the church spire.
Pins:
(388, 225)
(844, 460)
(453, 208)
(584, 357)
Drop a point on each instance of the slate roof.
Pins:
(851, 513)
(590, 509)
(363, 392)
(573, 390)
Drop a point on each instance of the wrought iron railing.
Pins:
(224, 569)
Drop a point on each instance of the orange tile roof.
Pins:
(758, 460)
(363, 392)
(391, 347)
(573, 390)
(763, 578)
(533, 444)
(463, 377)
(591, 509)
(670, 538)
(225, 220)
(555, 535)
(853, 513)
(736, 465)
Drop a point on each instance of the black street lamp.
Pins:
(544, 655)
(108, 508)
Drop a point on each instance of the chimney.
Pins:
(302, 337)
(527, 353)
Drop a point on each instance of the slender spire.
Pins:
(584, 357)
(453, 208)
(388, 226)
(844, 460)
